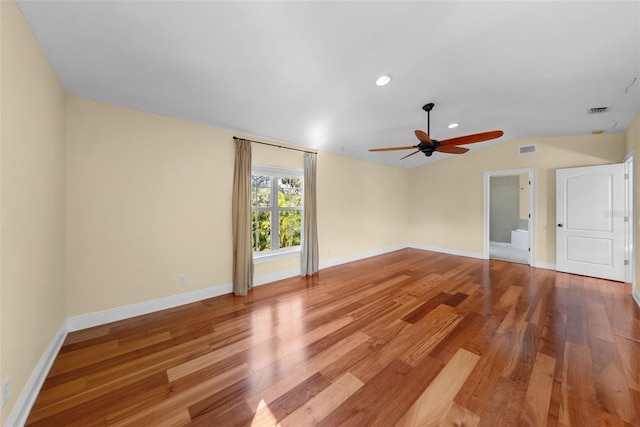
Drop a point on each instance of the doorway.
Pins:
(509, 227)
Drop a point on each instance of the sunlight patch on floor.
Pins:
(264, 417)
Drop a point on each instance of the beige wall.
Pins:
(361, 206)
(632, 143)
(148, 199)
(524, 196)
(446, 198)
(32, 176)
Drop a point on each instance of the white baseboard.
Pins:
(469, 254)
(358, 257)
(545, 265)
(103, 317)
(98, 318)
(90, 320)
(22, 408)
(636, 296)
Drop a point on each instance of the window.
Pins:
(276, 210)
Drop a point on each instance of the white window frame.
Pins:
(276, 172)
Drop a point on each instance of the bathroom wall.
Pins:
(505, 207)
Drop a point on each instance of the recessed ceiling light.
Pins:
(383, 80)
(453, 125)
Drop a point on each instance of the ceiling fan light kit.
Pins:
(428, 145)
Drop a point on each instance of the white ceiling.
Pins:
(304, 72)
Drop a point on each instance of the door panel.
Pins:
(591, 250)
(588, 191)
(590, 229)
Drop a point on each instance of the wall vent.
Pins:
(598, 110)
(527, 149)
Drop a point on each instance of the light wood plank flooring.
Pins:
(407, 338)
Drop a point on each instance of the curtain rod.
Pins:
(276, 145)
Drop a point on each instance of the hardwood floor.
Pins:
(407, 338)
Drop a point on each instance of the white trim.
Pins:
(97, 318)
(636, 296)
(449, 251)
(361, 255)
(629, 201)
(545, 265)
(22, 408)
(532, 209)
(284, 253)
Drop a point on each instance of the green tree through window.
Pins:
(276, 212)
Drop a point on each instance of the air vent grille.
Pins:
(527, 149)
(598, 110)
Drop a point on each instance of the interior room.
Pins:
(509, 218)
(119, 128)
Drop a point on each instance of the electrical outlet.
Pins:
(5, 392)
(549, 254)
(182, 279)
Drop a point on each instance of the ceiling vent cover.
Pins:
(527, 149)
(598, 110)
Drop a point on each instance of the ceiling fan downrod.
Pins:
(428, 107)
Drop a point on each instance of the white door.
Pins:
(590, 222)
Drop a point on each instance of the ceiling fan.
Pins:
(450, 146)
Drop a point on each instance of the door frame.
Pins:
(532, 208)
(629, 204)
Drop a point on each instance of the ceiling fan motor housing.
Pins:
(428, 149)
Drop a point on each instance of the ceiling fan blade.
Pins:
(452, 149)
(470, 139)
(409, 147)
(423, 137)
(415, 152)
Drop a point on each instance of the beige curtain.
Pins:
(241, 224)
(309, 256)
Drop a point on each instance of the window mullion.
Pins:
(275, 232)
